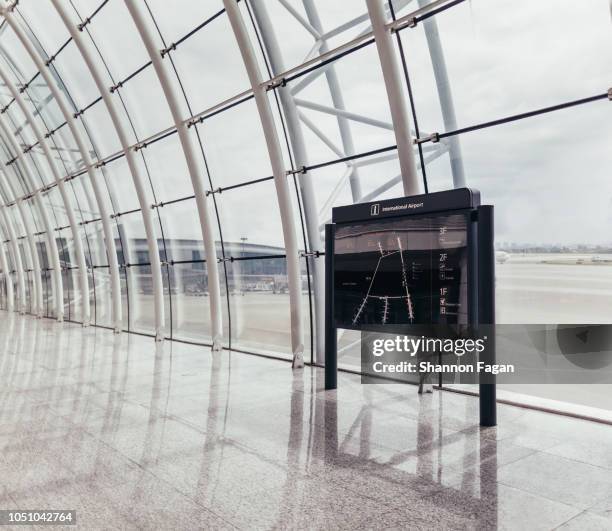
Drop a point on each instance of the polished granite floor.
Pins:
(137, 435)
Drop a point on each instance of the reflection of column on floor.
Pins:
(291, 488)
(18, 411)
(116, 386)
(60, 360)
(8, 329)
(320, 439)
(488, 473)
(43, 336)
(28, 352)
(87, 349)
(155, 414)
(207, 481)
(425, 436)
(331, 427)
(366, 425)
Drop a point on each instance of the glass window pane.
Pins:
(168, 169)
(142, 306)
(114, 19)
(498, 62)
(259, 305)
(224, 74)
(192, 14)
(235, 145)
(146, 104)
(44, 24)
(259, 219)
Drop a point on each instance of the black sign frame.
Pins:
(481, 267)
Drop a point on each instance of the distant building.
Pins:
(249, 266)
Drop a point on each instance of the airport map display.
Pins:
(408, 270)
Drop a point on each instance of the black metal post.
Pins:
(331, 336)
(486, 309)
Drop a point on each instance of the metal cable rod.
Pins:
(202, 260)
(320, 165)
(205, 23)
(410, 20)
(436, 137)
(90, 18)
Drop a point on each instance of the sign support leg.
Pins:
(486, 309)
(331, 336)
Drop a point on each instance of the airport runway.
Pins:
(549, 288)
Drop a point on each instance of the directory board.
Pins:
(405, 270)
(404, 261)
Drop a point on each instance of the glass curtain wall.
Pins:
(523, 122)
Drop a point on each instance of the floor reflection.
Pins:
(169, 435)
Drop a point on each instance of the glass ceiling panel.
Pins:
(124, 52)
(237, 130)
(73, 71)
(208, 76)
(44, 23)
(13, 52)
(146, 104)
(191, 15)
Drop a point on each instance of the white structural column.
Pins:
(397, 102)
(195, 170)
(60, 98)
(6, 273)
(52, 252)
(18, 263)
(280, 179)
(78, 244)
(296, 136)
(29, 251)
(145, 209)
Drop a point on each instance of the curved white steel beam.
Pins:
(60, 98)
(296, 136)
(280, 178)
(20, 302)
(6, 272)
(51, 243)
(145, 208)
(42, 142)
(395, 95)
(7, 222)
(195, 170)
(30, 252)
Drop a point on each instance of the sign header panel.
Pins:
(461, 198)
